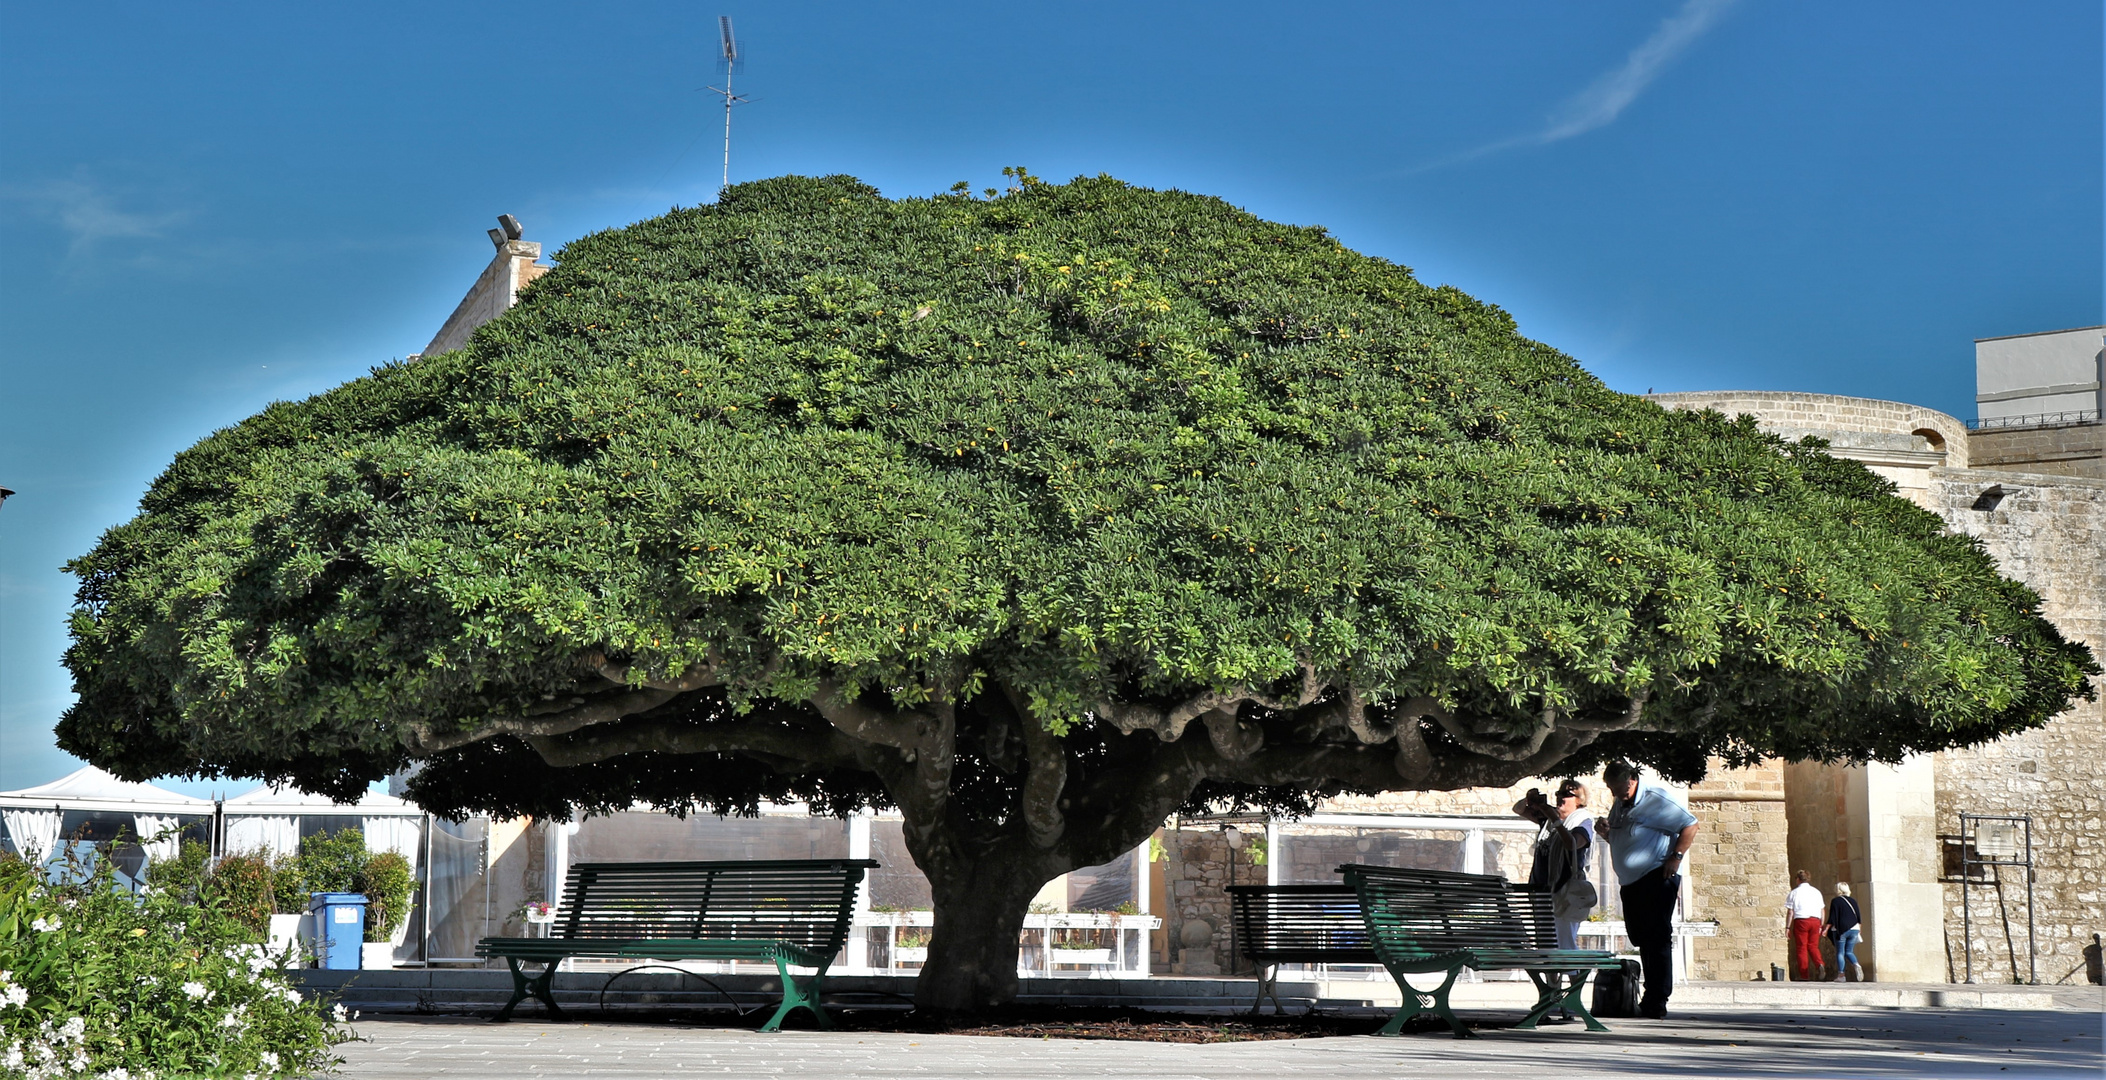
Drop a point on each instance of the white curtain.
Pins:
(150, 827)
(401, 835)
(277, 837)
(33, 830)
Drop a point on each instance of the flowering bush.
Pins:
(98, 982)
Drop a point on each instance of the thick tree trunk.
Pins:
(980, 908)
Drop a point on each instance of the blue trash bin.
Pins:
(339, 929)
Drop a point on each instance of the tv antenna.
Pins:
(731, 60)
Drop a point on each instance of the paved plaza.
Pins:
(1750, 1043)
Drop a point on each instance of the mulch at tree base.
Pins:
(1033, 1022)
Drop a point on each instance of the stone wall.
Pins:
(1866, 429)
(495, 291)
(1737, 870)
(2063, 450)
(2051, 534)
(1195, 874)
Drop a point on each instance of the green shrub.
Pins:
(184, 874)
(246, 889)
(339, 862)
(94, 979)
(386, 881)
(331, 862)
(289, 886)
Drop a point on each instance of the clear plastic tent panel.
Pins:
(646, 836)
(897, 884)
(1105, 887)
(458, 910)
(1310, 854)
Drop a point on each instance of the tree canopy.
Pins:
(998, 501)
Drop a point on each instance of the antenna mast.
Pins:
(730, 57)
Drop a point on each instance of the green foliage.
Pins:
(94, 979)
(339, 862)
(245, 888)
(387, 883)
(183, 875)
(1088, 442)
(330, 862)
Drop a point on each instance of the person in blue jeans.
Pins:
(1649, 834)
(1845, 929)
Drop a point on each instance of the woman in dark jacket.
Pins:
(1843, 929)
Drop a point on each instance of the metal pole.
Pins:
(424, 909)
(2032, 951)
(728, 65)
(1966, 893)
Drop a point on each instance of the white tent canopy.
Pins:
(284, 800)
(35, 816)
(90, 788)
(268, 819)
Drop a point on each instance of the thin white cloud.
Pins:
(90, 214)
(1607, 97)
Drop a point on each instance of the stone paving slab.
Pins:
(1762, 1044)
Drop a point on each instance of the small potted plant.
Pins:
(1081, 949)
(911, 947)
(539, 914)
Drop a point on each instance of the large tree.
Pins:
(1038, 516)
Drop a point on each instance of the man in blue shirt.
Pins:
(1648, 835)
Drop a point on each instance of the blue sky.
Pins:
(208, 207)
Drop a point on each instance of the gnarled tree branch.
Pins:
(422, 741)
(672, 735)
(1047, 762)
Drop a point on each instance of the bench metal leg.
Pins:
(523, 987)
(798, 996)
(1433, 1001)
(1268, 987)
(1553, 993)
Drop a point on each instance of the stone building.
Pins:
(2028, 478)
(1894, 831)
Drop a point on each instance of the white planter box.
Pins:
(918, 955)
(284, 937)
(376, 956)
(1082, 956)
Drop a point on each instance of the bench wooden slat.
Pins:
(1299, 924)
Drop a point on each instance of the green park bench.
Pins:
(793, 912)
(1430, 921)
(1296, 924)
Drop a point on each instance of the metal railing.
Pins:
(2053, 419)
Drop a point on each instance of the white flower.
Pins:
(337, 1013)
(292, 996)
(12, 996)
(79, 1062)
(118, 1073)
(72, 1029)
(270, 1060)
(12, 1060)
(43, 925)
(196, 990)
